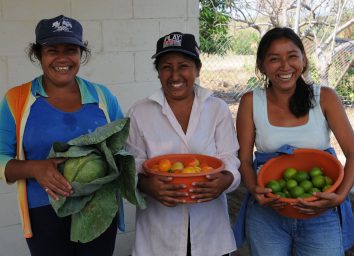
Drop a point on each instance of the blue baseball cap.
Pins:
(59, 30)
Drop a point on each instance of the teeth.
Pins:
(60, 69)
(176, 85)
(286, 76)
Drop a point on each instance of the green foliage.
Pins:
(214, 27)
(345, 88)
(245, 42)
(254, 82)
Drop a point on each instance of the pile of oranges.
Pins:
(190, 166)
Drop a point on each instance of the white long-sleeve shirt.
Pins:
(162, 230)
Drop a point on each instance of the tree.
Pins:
(214, 30)
(319, 22)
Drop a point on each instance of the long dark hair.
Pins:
(302, 100)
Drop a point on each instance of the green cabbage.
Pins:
(85, 169)
(101, 173)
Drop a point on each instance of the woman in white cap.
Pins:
(56, 106)
(183, 117)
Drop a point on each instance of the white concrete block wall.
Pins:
(122, 35)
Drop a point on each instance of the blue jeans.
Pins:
(269, 233)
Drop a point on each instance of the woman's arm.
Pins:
(338, 122)
(44, 171)
(246, 136)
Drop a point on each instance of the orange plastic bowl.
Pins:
(185, 178)
(301, 159)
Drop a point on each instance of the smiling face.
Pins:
(60, 64)
(283, 63)
(177, 74)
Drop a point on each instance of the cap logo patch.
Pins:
(62, 25)
(172, 40)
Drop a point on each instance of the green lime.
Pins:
(289, 173)
(315, 171)
(281, 194)
(318, 181)
(274, 186)
(291, 184)
(304, 195)
(282, 183)
(295, 192)
(313, 190)
(286, 191)
(306, 185)
(301, 175)
(326, 187)
(328, 180)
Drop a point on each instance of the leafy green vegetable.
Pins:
(101, 173)
(85, 169)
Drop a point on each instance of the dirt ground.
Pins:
(232, 98)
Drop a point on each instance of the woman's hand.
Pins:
(259, 193)
(324, 202)
(211, 189)
(161, 189)
(52, 181)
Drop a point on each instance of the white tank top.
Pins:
(314, 134)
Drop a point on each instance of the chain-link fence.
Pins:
(236, 71)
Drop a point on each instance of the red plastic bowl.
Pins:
(185, 178)
(301, 159)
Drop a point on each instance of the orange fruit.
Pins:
(206, 168)
(165, 165)
(193, 162)
(177, 166)
(189, 169)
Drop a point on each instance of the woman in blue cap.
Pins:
(56, 106)
(183, 117)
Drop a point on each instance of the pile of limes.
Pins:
(295, 183)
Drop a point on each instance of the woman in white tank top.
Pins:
(291, 112)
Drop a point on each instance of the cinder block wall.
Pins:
(122, 36)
